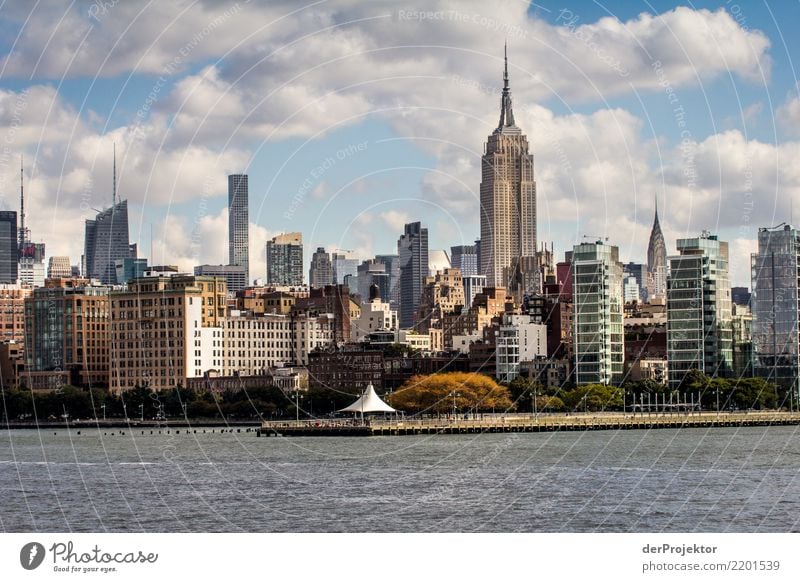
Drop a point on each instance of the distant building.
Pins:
(342, 267)
(285, 259)
(8, 247)
(464, 258)
(12, 312)
(441, 294)
(597, 314)
(129, 268)
(775, 306)
(235, 275)
(699, 309)
(59, 268)
(518, 340)
(631, 290)
(740, 296)
(239, 224)
(438, 260)
(321, 270)
(106, 241)
(392, 269)
(656, 261)
(639, 272)
(473, 284)
(376, 315)
(412, 248)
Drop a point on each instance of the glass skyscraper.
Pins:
(598, 336)
(8, 246)
(106, 242)
(412, 247)
(775, 305)
(285, 259)
(699, 333)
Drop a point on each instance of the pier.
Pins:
(527, 423)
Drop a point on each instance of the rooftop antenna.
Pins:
(114, 188)
(21, 204)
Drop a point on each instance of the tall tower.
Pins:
(285, 259)
(238, 223)
(321, 271)
(412, 248)
(508, 198)
(656, 261)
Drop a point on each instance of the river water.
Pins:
(698, 480)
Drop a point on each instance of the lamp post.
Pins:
(125, 410)
(141, 409)
(103, 406)
(454, 394)
(297, 407)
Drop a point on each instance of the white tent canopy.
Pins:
(369, 402)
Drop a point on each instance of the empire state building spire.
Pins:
(506, 112)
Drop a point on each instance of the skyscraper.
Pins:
(598, 334)
(775, 306)
(238, 223)
(106, 239)
(656, 261)
(285, 259)
(507, 197)
(8, 246)
(59, 268)
(699, 331)
(342, 267)
(31, 254)
(412, 247)
(464, 258)
(321, 271)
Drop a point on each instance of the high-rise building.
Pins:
(519, 339)
(699, 309)
(656, 283)
(507, 198)
(342, 267)
(392, 265)
(442, 294)
(639, 272)
(775, 303)
(106, 239)
(412, 248)
(238, 223)
(465, 259)
(8, 247)
(12, 312)
(130, 268)
(321, 271)
(285, 259)
(30, 254)
(598, 334)
(59, 268)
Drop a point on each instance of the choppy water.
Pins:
(664, 480)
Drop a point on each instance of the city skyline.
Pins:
(604, 141)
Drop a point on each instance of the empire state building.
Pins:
(508, 198)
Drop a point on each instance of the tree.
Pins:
(593, 397)
(438, 392)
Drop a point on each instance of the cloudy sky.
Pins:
(352, 118)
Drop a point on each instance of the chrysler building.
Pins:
(508, 198)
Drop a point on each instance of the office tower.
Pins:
(285, 259)
(321, 271)
(342, 267)
(473, 284)
(8, 247)
(372, 272)
(238, 223)
(106, 239)
(656, 262)
(66, 335)
(699, 309)
(465, 259)
(235, 275)
(507, 197)
(442, 294)
(59, 268)
(412, 248)
(598, 334)
(639, 272)
(775, 306)
(392, 264)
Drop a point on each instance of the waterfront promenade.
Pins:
(527, 423)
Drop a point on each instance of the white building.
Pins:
(375, 316)
(518, 340)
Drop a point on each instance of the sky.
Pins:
(353, 118)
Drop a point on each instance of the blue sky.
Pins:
(401, 98)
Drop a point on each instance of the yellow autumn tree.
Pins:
(436, 393)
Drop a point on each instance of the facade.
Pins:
(441, 294)
(412, 248)
(59, 268)
(742, 341)
(598, 307)
(473, 284)
(285, 259)
(507, 198)
(106, 241)
(631, 290)
(130, 268)
(775, 306)
(656, 261)
(8, 247)
(348, 370)
(12, 312)
(342, 267)
(67, 335)
(699, 309)
(518, 340)
(465, 259)
(165, 330)
(235, 275)
(321, 271)
(639, 272)
(376, 315)
(254, 344)
(239, 224)
(391, 265)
